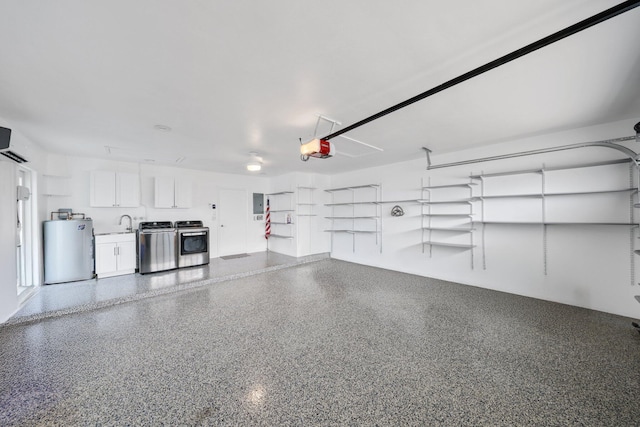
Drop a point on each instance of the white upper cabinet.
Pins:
(172, 192)
(114, 189)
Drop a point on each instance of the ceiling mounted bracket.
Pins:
(427, 152)
(322, 148)
(326, 119)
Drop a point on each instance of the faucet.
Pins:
(130, 227)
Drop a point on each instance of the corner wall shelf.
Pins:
(282, 223)
(279, 236)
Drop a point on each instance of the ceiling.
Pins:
(233, 77)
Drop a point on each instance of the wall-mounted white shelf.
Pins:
(455, 221)
(357, 215)
(351, 217)
(352, 231)
(550, 169)
(448, 214)
(352, 203)
(463, 185)
(56, 185)
(448, 202)
(305, 201)
(356, 187)
(544, 194)
(389, 202)
(541, 195)
(279, 193)
(282, 222)
(449, 245)
(455, 229)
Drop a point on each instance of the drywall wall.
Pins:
(590, 266)
(205, 193)
(8, 290)
(303, 202)
(9, 301)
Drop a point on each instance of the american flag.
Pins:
(267, 224)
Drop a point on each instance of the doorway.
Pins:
(24, 232)
(232, 233)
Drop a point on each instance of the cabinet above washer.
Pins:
(172, 192)
(114, 190)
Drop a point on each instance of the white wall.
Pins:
(587, 265)
(8, 290)
(308, 231)
(8, 278)
(206, 187)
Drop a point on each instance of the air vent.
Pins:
(13, 156)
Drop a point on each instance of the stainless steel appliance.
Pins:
(193, 243)
(157, 246)
(68, 250)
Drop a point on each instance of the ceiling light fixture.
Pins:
(254, 167)
(255, 164)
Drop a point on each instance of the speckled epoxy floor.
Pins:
(325, 343)
(74, 297)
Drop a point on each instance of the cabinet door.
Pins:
(127, 256)
(103, 189)
(183, 189)
(106, 261)
(164, 193)
(128, 190)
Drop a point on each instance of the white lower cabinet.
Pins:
(115, 254)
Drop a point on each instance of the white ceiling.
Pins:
(232, 77)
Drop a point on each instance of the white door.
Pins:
(232, 223)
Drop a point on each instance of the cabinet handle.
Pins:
(115, 251)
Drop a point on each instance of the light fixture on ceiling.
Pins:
(255, 164)
(319, 148)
